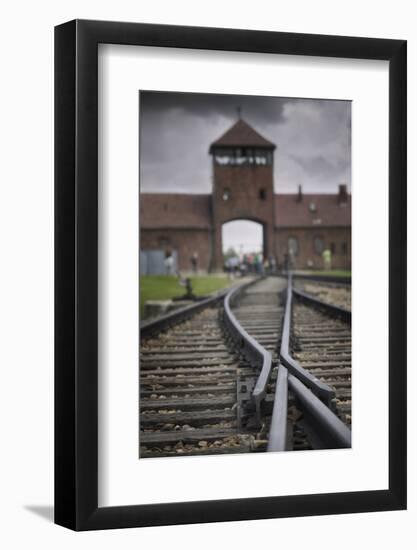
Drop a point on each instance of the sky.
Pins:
(176, 129)
(243, 236)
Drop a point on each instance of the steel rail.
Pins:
(326, 429)
(277, 439)
(256, 354)
(343, 281)
(329, 430)
(335, 311)
(160, 324)
(323, 391)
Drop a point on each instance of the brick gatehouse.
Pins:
(243, 189)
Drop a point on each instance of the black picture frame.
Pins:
(76, 271)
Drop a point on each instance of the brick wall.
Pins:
(184, 241)
(338, 238)
(242, 193)
(189, 223)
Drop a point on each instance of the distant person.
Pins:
(244, 264)
(169, 263)
(327, 258)
(272, 264)
(249, 260)
(232, 264)
(257, 263)
(194, 262)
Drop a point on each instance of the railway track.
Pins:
(321, 343)
(212, 380)
(189, 379)
(260, 311)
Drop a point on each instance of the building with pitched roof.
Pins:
(297, 225)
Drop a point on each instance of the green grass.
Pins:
(331, 272)
(334, 273)
(165, 287)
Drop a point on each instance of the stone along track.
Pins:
(190, 388)
(215, 383)
(321, 343)
(332, 293)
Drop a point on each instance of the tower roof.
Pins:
(242, 135)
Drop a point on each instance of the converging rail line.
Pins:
(218, 377)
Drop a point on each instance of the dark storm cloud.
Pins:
(176, 129)
(207, 105)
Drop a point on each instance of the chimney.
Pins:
(300, 194)
(343, 194)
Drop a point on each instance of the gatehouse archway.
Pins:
(242, 243)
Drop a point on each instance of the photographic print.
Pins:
(245, 274)
(203, 274)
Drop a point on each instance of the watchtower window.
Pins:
(262, 157)
(262, 194)
(224, 156)
(226, 194)
(242, 156)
